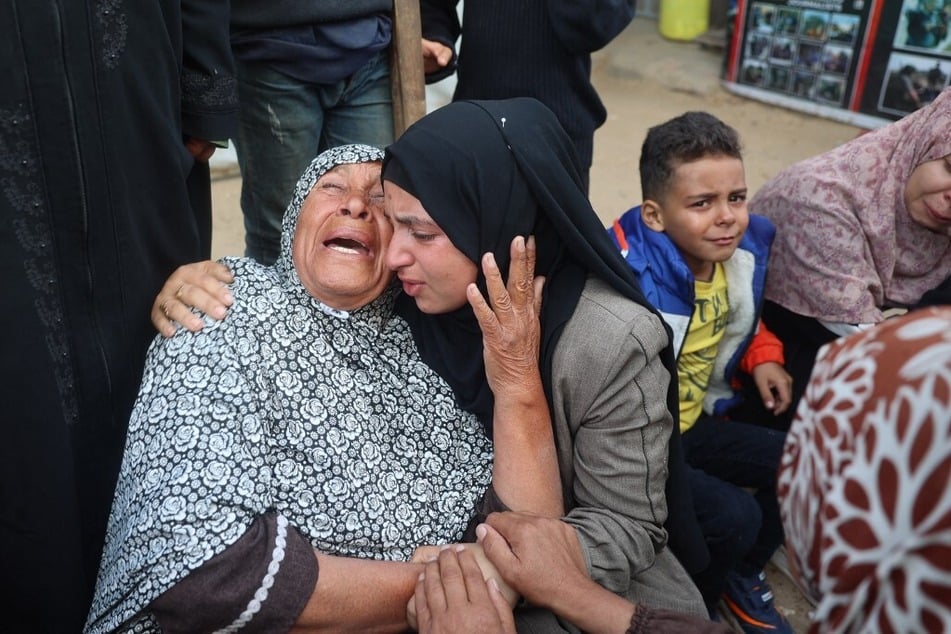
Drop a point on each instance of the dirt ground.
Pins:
(643, 80)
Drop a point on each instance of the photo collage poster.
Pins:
(803, 49)
(911, 60)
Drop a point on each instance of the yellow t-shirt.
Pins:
(710, 310)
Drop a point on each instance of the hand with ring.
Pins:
(200, 285)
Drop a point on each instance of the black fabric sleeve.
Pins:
(684, 537)
(938, 296)
(585, 26)
(440, 23)
(263, 580)
(209, 87)
(490, 504)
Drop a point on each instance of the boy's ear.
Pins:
(652, 216)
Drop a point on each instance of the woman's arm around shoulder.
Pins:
(202, 285)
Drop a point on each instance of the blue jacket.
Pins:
(668, 284)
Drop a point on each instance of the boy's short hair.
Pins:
(689, 137)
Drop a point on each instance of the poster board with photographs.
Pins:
(911, 61)
(865, 62)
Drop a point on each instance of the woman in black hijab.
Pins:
(464, 181)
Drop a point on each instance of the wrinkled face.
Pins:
(342, 235)
(703, 211)
(928, 195)
(433, 271)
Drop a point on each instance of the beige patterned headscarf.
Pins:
(845, 245)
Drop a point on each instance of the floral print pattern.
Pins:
(865, 483)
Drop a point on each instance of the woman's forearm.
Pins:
(525, 470)
(359, 595)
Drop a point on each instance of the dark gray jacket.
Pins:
(612, 429)
(260, 14)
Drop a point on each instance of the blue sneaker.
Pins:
(750, 600)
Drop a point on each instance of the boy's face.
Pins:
(703, 211)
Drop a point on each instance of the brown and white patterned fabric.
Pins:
(865, 482)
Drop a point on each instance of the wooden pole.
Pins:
(406, 66)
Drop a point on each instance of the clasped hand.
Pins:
(468, 569)
(471, 588)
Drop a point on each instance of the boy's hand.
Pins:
(774, 385)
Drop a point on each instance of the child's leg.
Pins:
(729, 518)
(746, 456)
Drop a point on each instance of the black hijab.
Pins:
(487, 171)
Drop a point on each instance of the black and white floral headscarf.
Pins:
(342, 155)
(327, 418)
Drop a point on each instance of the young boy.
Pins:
(701, 260)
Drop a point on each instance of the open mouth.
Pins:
(347, 245)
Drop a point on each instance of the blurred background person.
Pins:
(311, 76)
(531, 48)
(106, 121)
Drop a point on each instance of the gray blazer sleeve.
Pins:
(612, 428)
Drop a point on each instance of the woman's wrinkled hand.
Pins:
(200, 285)
(509, 318)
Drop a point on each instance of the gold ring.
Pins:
(164, 307)
(178, 293)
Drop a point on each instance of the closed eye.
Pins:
(415, 227)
